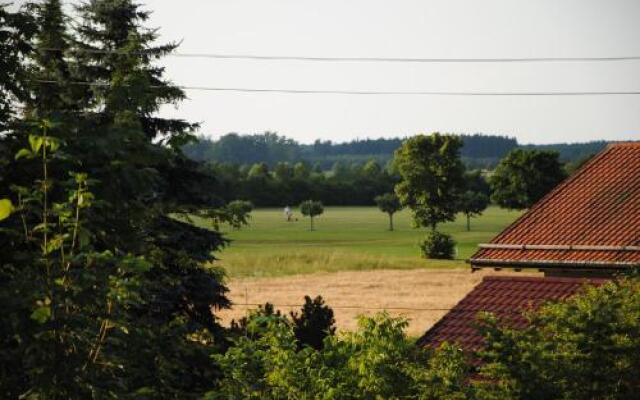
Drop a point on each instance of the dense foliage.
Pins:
(288, 184)
(431, 177)
(16, 31)
(314, 323)
(375, 362)
(586, 347)
(310, 326)
(93, 266)
(524, 176)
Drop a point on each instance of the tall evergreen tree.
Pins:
(16, 29)
(52, 95)
(144, 179)
(110, 131)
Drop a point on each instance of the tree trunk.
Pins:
(468, 223)
(391, 222)
(311, 223)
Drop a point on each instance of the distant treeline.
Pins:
(290, 184)
(479, 151)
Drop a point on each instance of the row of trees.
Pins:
(521, 178)
(478, 151)
(287, 183)
(271, 148)
(427, 175)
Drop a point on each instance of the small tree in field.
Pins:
(472, 204)
(389, 203)
(311, 209)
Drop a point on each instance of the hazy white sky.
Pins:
(407, 28)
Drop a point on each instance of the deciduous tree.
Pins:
(524, 176)
(432, 176)
(472, 204)
(389, 203)
(311, 209)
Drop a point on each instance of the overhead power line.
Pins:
(371, 92)
(257, 57)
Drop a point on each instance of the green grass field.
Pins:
(346, 238)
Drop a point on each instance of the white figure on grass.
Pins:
(287, 213)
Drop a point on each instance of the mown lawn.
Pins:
(346, 238)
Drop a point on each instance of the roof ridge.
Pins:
(543, 279)
(630, 143)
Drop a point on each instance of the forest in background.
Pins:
(479, 150)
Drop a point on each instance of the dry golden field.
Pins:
(362, 292)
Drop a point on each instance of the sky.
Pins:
(406, 29)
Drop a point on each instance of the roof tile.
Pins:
(507, 298)
(597, 206)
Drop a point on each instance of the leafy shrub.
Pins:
(256, 322)
(438, 245)
(377, 361)
(311, 326)
(585, 347)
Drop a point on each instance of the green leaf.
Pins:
(36, 143)
(53, 143)
(84, 237)
(55, 243)
(6, 208)
(24, 153)
(41, 314)
(136, 264)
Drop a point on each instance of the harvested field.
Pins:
(403, 292)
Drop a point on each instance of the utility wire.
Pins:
(256, 57)
(365, 92)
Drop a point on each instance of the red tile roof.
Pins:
(505, 297)
(591, 215)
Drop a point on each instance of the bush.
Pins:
(314, 323)
(438, 245)
(585, 347)
(377, 361)
(311, 325)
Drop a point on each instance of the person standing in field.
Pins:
(287, 213)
